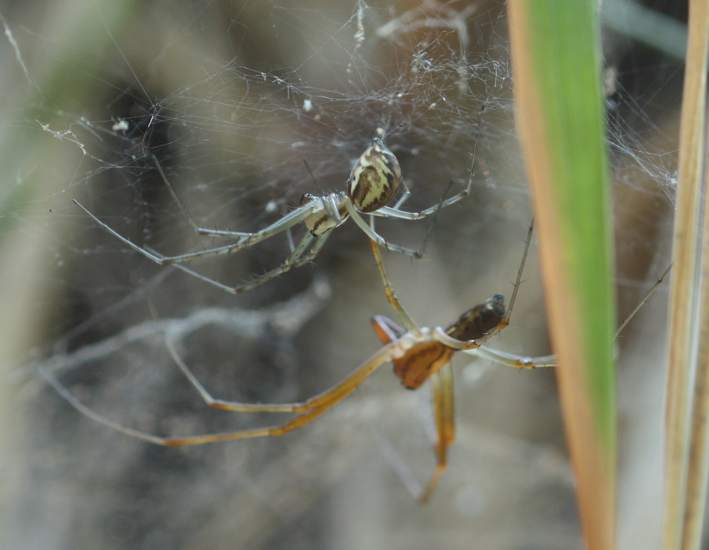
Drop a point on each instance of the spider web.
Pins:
(244, 107)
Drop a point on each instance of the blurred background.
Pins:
(245, 106)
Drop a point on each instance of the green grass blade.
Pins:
(556, 63)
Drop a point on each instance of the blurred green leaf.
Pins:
(556, 63)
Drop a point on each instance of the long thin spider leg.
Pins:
(375, 236)
(289, 220)
(284, 223)
(442, 382)
(316, 406)
(289, 239)
(315, 249)
(224, 405)
(301, 248)
(173, 193)
(642, 302)
(391, 296)
(393, 212)
(213, 232)
(476, 348)
(396, 212)
(518, 279)
(512, 360)
(201, 277)
(298, 258)
(386, 330)
(88, 412)
(398, 463)
(404, 196)
(459, 345)
(230, 233)
(531, 362)
(198, 228)
(442, 388)
(432, 223)
(237, 406)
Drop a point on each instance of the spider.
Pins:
(431, 358)
(417, 354)
(373, 183)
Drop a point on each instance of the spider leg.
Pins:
(373, 235)
(212, 232)
(289, 239)
(176, 199)
(442, 382)
(296, 259)
(200, 276)
(404, 197)
(442, 387)
(386, 330)
(314, 406)
(324, 399)
(245, 241)
(391, 296)
(642, 302)
(521, 361)
(476, 348)
(395, 212)
(472, 347)
(299, 257)
(223, 405)
(518, 280)
(512, 360)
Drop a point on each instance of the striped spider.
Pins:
(373, 183)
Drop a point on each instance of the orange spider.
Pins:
(417, 354)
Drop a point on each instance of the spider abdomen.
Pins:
(480, 320)
(375, 178)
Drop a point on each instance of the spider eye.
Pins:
(307, 197)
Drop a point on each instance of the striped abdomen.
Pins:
(375, 178)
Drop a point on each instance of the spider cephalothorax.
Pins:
(426, 358)
(333, 214)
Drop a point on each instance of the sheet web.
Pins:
(242, 108)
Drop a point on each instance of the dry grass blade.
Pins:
(698, 466)
(684, 290)
(556, 61)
